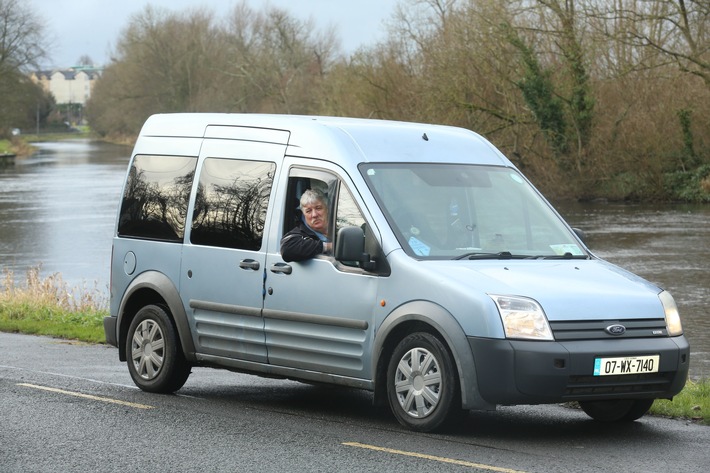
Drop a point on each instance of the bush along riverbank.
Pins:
(18, 147)
(48, 306)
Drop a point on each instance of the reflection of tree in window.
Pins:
(348, 213)
(156, 197)
(231, 202)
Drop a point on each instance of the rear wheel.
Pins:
(153, 351)
(620, 410)
(421, 383)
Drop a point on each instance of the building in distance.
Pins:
(69, 86)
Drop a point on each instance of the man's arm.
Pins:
(299, 247)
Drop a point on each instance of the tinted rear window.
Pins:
(230, 207)
(156, 196)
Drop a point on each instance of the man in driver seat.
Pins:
(310, 237)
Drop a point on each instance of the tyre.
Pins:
(153, 351)
(422, 386)
(621, 410)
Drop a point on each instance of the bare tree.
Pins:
(85, 60)
(277, 63)
(22, 42)
(164, 62)
(22, 45)
(657, 67)
(181, 62)
(565, 34)
(590, 97)
(678, 31)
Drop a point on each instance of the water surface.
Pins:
(58, 208)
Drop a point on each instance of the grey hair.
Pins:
(311, 196)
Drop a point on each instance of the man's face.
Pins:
(316, 216)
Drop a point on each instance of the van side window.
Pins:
(231, 202)
(348, 214)
(155, 200)
(342, 207)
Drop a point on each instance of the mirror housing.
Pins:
(350, 246)
(580, 234)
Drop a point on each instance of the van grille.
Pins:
(647, 383)
(595, 330)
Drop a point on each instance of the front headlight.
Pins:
(673, 324)
(522, 318)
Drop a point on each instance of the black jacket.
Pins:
(300, 244)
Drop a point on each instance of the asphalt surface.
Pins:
(71, 407)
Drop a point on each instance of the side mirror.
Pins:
(580, 234)
(350, 246)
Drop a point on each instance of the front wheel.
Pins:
(422, 386)
(153, 351)
(620, 410)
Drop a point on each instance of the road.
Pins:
(71, 407)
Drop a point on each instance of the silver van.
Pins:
(451, 284)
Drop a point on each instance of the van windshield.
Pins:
(460, 211)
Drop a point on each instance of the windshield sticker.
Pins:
(570, 248)
(370, 172)
(418, 247)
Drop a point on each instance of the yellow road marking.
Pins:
(87, 396)
(432, 457)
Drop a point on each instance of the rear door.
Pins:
(224, 255)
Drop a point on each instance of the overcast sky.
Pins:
(91, 27)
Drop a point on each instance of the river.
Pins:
(58, 210)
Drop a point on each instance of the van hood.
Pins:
(566, 290)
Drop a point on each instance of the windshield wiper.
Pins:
(474, 255)
(479, 255)
(567, 255)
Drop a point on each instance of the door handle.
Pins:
(281, 268)
(249, 264)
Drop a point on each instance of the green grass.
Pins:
(21, 318)
(692, 403)
(5, 146)
(17, 145)
(47, 306)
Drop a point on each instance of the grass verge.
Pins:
(58, 136)
(5, 147)
(693, 403)
(47, 306)
(22, 145)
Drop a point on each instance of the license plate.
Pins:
(626, 365)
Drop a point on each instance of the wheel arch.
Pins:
(425, 316)
(153, 287)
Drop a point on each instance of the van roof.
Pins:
(356, 139)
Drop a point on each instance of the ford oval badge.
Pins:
(616, 329)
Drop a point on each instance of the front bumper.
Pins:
(537, 372)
